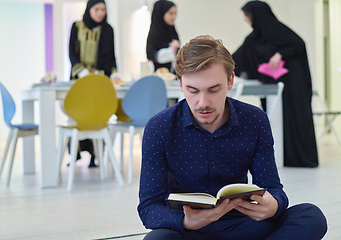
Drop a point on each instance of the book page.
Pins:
(193, 197)
(236, 188)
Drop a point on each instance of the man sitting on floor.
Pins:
(208, 141)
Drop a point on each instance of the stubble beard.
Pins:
(207, 109)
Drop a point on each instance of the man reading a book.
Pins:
(205, 142)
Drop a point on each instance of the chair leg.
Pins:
(74, 148)
(95, 144)
(4, 156)
(100, 157)
(60, 152)
(331, 127)
(112, 158)
(121, 152)
(328, 127)
(131, 156)
(14, 145)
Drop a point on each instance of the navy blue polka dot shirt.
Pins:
(180, 156)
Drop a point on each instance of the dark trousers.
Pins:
(303, 221)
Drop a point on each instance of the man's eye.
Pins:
(192, 91)
(214, 90)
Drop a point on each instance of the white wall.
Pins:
(335, 68)
(22, 50)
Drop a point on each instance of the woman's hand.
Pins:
(115, 78)
(175, 45)
(274, 60)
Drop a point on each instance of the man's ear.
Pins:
(180, 84)
(230, 81)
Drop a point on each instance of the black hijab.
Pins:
(265, 25)
(89, 22)
(268, 36)
(160, 33)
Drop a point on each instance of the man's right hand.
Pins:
(195, 219)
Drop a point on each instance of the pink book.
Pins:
(274, 73)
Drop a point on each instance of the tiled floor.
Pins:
(98, 209)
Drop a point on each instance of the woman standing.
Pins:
(163, 41)
(271, 41)
(91, 50)
(91, 46)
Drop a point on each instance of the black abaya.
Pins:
(268, 37)
(106, 59)
(160, 33)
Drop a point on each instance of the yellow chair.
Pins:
(90, 102)
(120, 114)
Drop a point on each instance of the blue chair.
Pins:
(145, 98)
(16, 131)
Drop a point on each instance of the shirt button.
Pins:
(212, 162)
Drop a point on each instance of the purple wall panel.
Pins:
(49, 65)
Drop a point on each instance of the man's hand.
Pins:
(195, 219)
(265, 207)
(274, 60)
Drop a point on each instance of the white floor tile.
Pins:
(98, 208)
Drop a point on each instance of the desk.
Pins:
(47, 96)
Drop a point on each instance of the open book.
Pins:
(205, 200)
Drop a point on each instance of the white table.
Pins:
(47, 96)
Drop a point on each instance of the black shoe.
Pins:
(92, 162)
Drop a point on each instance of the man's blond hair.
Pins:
(200, 53)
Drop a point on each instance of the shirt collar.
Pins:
(188, 119)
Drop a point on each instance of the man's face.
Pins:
(205, 92)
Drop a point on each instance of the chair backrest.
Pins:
(239, 90)
(8, 105)
(91, 101)
(145, 98)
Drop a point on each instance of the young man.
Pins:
(206, 142)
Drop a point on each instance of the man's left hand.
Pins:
(265, 207)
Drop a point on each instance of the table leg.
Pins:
(277, 128)
(47, 134)
(28, 156)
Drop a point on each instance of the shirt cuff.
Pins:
(83, 73)
(175, 221)
(281, 208)
(165, 55)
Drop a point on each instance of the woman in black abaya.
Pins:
(272, 41)
(163, 41)
(91, 50)
(92, 43)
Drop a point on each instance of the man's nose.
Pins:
(204, 100)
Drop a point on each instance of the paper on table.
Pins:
(266, 69)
